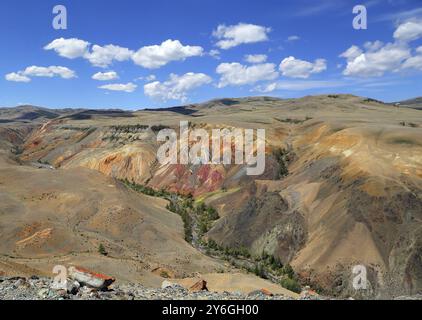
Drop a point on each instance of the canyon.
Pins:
(342, 187)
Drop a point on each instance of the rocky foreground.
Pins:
(35, 288)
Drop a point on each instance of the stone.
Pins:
(73, 287)
(201, 285)
(43, 293)
(62, 293)
(267, 293)
(90, 279)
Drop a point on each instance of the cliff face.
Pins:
(352, 194)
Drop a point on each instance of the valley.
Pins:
(342, 186)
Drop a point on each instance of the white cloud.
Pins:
(69, 48)
(232, 36)
(17, 77)
(35, 71)
(409, 31)
(293, 38)
(177, 87)
(128, 87)
(99, 56)
(236, 74)
(352, 53)
(104, 56)
(150, 57)
(372, 46)
(215, 54)
(153, 57)
(379, 58)
(413, 63)
(256, 58)
(105, 76)
(296, 68)
(298, 85)
(388, 58)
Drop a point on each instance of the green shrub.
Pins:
(281, 156)
(288, 271)
(260, 271)
(290, 284)
(102, 250)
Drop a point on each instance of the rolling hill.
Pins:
(351, 195)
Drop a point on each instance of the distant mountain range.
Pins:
(415, 103)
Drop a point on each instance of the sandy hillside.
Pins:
(352, 193)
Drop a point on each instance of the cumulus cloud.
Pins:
(409, 31)
(296, 68)
(378, 58)
(376, 63)
(36, 71)
(372, 46)
(69, 48)
(256, 58)
(177, 87)
(105, 76)
(236, 74)
(17, 77)
(352, 53)
(52, 71)
(153, 57)
(150, 57)
(128, 87)
(104, 56)
(242, 33)
(413, 63)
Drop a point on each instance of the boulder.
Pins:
(267, 293)
(90, 279)
(201, 285)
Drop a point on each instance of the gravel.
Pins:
(41, 289)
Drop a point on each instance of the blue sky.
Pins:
(167, 53)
